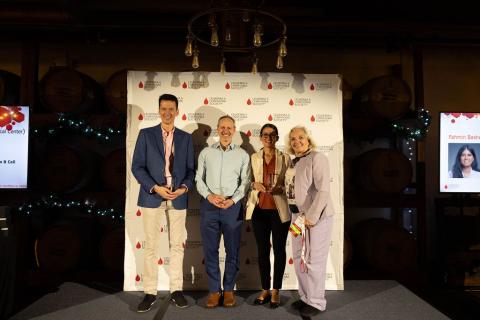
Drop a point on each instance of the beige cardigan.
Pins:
(282, 162)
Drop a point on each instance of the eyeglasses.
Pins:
(273, 136)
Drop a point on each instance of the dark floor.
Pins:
(362, 299)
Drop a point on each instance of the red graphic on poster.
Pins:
(269, 86)
(290, 102)
(270, 118)
(290, 261)
(205, 101)
(10, 116)
(249, 102)
(249, 134)
(138, 246)
(312, 118)
(160, 261)
(184, 85)
(184, 117)
(140, 85)
(227, 86)
(312, 87)
(137, 278)
(140, 117)
(139, 213)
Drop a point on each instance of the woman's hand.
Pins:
(259, 187)
(308, 224)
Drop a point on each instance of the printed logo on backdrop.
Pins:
(236, 85)
(258, 101)
(279, 117)
(321, 86)
(193, 116)
(149, 84)
(163, 261)
(299, 102)
(239, 116)
(214, 101)
(278, 85)
(324, 117)
(9, 117)
(149, 116)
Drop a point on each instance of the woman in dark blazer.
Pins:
(267, 207)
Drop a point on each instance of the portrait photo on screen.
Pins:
(463, 160)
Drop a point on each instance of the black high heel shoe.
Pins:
(263, 298)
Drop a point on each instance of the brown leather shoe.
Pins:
(228, 299)
(213, 299)
(275, 299)
(263, 298)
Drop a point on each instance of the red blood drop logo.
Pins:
(137, 278)
(140, 117)
(138, 246)
(139, 213)
(161, 230)
(249, 133)
(270, 118)
(227, 86)
(160, 261)
(312, 87)
(291, 102)
(312, 118)
(206, 133)
(290, 261)
(184, 85)
(452, 121)
(249, 102)
(270, 86)
(184, 117)
(140, 85)
(205, 101)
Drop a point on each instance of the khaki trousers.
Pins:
(177, 234)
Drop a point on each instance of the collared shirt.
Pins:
(168, 148)
(223, 172)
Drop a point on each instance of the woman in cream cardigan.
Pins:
(267, 207)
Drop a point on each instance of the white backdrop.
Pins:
(283, 99)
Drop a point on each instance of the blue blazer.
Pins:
(148, 165)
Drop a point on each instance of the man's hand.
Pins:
(177, 193)
(164, 192)
(216, 200)
(227, 204)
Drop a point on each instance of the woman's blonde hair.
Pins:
(288, 147)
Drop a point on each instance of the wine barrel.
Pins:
(114, 171)
(64, 89)
(66, 168)
(384, 246)
(9, 89)
(68, 245)
(383, 170)
(116, 92)
(112, 249)
(385, 97)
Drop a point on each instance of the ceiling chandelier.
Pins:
(231, 29)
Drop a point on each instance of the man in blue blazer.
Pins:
(163, 164)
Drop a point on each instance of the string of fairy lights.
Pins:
(69, 123)
(54, 202)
